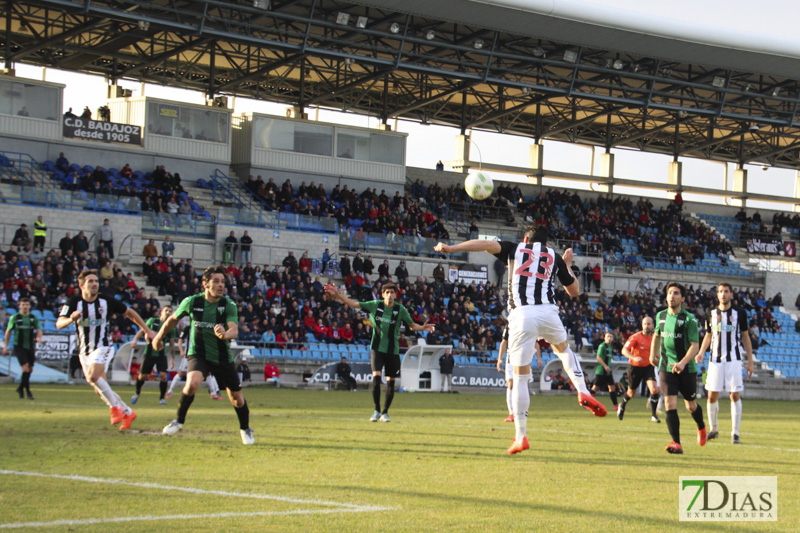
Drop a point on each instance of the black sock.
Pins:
(243, 413)
(698, 417)
(376, 392)
(139, 383)
(25, 381)
(674, 425)
(613, 395)
(162, 386)
(183, 406)
(389, 395)
(653, 403)
(625, 399)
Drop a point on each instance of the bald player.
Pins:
(637, 350)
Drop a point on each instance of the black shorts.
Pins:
(225, 373)
(604, 380)
(684, 383)
(24, 355)
(159, 362)
(379, 360)
(637, 374)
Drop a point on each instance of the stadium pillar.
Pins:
(797, 190)
(461, 160)
(675, 174)
(606, 170)
(536, 162)
(740, 185)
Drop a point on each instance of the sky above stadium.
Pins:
(428, 144)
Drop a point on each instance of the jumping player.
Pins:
(533, 268)
(153, 358)
(674, 356)
(90, 313)
(509, 371)
(726, 333)
(27, 332)
(385, 316)
(637, 350)
(209, 348)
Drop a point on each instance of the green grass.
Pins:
(440, 465)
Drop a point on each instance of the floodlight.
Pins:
(342, 18)
(362, 22)
(478, 44)
(570, 56)
(430, 35)
(394, 28)
(617, 64)
(718, 81)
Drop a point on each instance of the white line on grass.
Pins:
(91, 521)
(359, 508)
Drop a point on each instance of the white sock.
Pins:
(713, 410)
(521, 402)
(109, 396)
(660, 403)
(573, 368)
(174, 382)
(510, 400)
(213, 388)
(736, 415)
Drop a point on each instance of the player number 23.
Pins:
(542, 272)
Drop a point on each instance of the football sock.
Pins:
(213, 388)
(521, 403)
(25, 381)
(510, 400)
(613, 395)
(660, 402)
(736, 415)
(243, 413)
(674, 425)
(573, 369)
(105, 392)
(183, 406)
(697, 414)
(625, 398)
(654, 403)
(162, 387)
(376, 392)
(175, 381)
(713, 411)
(389, 395)
(139, 383)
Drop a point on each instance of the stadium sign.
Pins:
(98, 130)
(54, 347)
(765, 246)
(728, 499)
(463, 376)
(469, 273)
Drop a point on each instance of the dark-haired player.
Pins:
(675, 345)
(91, 313)
(214, 323)
(727, 335)
(386, 316)
(637, 350)
(532, 313)
(27, 332)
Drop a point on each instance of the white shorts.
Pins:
(100, 356)
(509, 369)
(526, 324)
(725, 376)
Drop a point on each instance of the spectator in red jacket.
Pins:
(305, 263)
(272, 374)
(346, 333)
(135, 367)
(281, 339)
(598, 272)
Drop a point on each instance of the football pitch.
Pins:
(319, 465)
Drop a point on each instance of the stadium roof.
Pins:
(452, 62)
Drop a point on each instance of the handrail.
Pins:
(37, 175)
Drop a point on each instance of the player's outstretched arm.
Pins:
(66, 321)
(474, 245)
(168, 325)
(421, 327)
(136, 338)
(332, 291)
(134, 317)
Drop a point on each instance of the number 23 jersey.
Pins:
(532, 271)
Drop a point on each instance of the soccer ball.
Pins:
(478, 185)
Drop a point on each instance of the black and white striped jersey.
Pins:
(93, 327)
(532, 271)
(726, 328)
